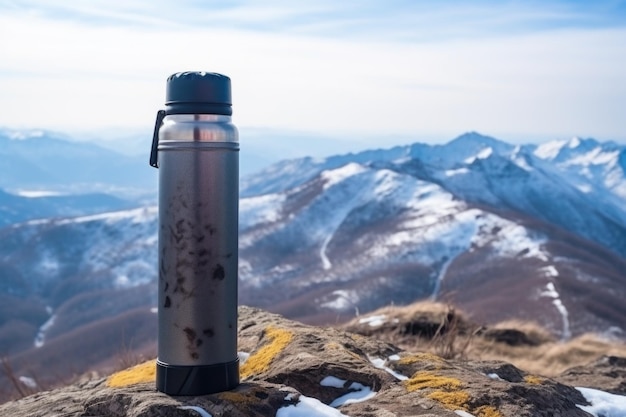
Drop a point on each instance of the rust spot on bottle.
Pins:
(190, 333)
(219, 273)
(194, 355)
(208, 332)
(199, 342)
(168, 302)
(166, 287)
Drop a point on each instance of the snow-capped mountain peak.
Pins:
(477, 220)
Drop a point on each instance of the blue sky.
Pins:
(368, 72)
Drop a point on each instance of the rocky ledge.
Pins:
(291, 369)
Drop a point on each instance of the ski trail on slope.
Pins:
(41, 333)
(551, 292)
(440, 277)
(325, 261)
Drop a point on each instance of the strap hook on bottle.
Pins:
(154, 152)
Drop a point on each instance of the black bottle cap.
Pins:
(197, 92)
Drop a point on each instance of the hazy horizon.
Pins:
(362, 74)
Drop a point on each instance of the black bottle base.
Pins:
(197, 380)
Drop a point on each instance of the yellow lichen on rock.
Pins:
(532, 379)
(487, 411)
(421, 357)
(422, 380)
(260, 361)
(145, 372)
(449, 393)
(455, 400)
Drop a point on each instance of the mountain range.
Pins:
(50, 161)
(531, 232)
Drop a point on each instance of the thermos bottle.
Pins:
(195, 147)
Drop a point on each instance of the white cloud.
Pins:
(63, 73)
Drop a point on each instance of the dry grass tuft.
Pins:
(550, 358)
(445, 331)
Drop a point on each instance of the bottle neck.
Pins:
(185, 118)
(198, 128)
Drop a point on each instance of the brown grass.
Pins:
(550, 358)
(455, 337)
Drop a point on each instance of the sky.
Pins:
(369, 72)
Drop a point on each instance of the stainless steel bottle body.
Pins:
(198, 158)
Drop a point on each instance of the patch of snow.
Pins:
(122, 281)
(573, 142)
(332, 381)
(520, 161)
(361, 393)
(549, 150)
(261, 209)
(603, 404)
(495, 377)
(199, 410)
(48, 264)
(515, 239)
(453, 172)
(37, 193)
(549, 271)
(614, 332)
(289, 397)
(309, 407)
(22, 134)
(343, 300)
(41, 334)
(335, 176)
(28, 381)
(154, 310)
(132, 273)
(483, 154)
(139, 215)
(380, 364)
(567, 334)
(243, 357)
(325, 262)
(595, 157)
(440, 276)
(463, 413)
(374, 321)
(551, 292)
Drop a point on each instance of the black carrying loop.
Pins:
(154, 152)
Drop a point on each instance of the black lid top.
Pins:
(197, 92)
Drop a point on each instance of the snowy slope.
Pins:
(504, 231)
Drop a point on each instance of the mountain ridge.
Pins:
(488, 226)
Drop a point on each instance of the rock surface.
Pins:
(316, 371)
